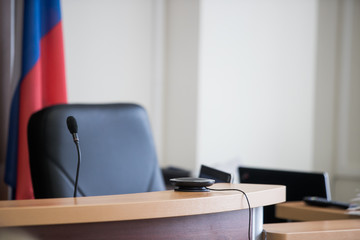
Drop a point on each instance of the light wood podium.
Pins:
(153, 215)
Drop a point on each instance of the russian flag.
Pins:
(42, 83)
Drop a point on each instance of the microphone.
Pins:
(73, 129)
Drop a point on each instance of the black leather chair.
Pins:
(118, 152)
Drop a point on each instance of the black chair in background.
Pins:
(298, 185)
(205, 172)
(173, 172)
(217, 175)
(118, 152)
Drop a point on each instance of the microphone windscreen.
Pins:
(72, 124)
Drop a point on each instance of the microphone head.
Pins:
(72, 124)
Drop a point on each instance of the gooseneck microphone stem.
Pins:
(78, 166)
(73, 129)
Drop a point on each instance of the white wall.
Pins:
(181, 97)
(337, 118)
(257, 77)
(238, 74)
(112, 53)
(108, 50)
(226, 82)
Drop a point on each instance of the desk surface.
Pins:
(314, 230)
(300, 211)
(138, 206)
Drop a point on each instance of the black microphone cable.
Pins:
(78, 167)
(73, 128)
(238, 190)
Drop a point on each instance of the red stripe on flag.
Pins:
(30, 101)
(44, 85)
(53, 67)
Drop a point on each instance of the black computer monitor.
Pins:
(217, 175)
(298, 185)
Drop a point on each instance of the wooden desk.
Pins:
(300, 211)
(313, 230)
(156, 215)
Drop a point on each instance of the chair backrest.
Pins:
(118, 152)
(298, 185)
(213, 173)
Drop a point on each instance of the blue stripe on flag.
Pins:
(31, 36)
(50, 15)
(12, 145)
(40, 16)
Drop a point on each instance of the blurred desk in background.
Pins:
(313, 230)
(299, 211)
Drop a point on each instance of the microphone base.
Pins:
(191, 189)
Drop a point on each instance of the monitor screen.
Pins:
(217, 175)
